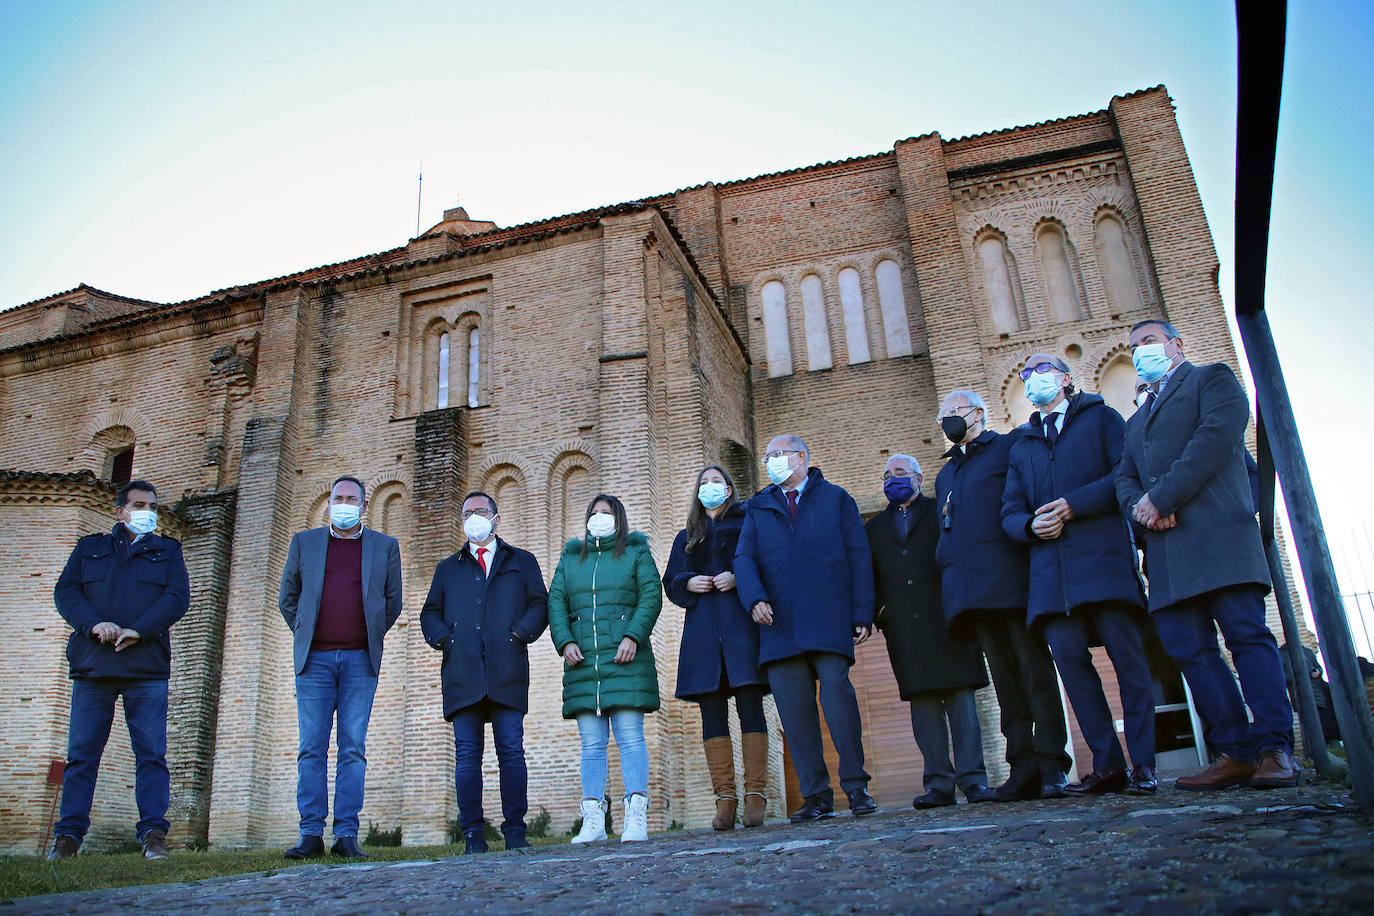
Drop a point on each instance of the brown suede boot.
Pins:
(755, 776)
(720, 761)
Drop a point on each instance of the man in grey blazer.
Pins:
(340, 593)
(1183, 477)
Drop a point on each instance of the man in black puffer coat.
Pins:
(1060, 498)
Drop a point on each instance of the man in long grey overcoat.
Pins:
(1183, 477)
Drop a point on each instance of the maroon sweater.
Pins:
(341, 624)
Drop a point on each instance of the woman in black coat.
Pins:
(1060, 498)
(936, 673)
(720, 645)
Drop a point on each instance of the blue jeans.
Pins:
(508, 732)
(634, 753)
(145, 713)
(1188, 631)
(341, 681)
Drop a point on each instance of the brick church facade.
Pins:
(617, 349)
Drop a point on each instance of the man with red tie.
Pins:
(486, 605)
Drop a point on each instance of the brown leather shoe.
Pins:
(1224, 773)
(1276, 770)
(154, 845)
(63, 847)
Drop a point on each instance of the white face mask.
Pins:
(601, 525)
(344, 516)
(779, 468)
(711, 493)
(1044, 387)
(477, 528)
(142, 521)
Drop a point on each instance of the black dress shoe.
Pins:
(475, 842)
(980, 793)
(1099, 783)
(1054, 786)
(1142, 781)
(861, 803)
(308, 848)
(515, 838)
(347, 846)
(1023, 790)
(814, 809)
(933, 799)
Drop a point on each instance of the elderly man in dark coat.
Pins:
(1084, 591)
(936, 673)
(486, 605)
(983, 575)
(803, 569)
(1182, 475)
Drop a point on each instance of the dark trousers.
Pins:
(715, 711)
(1188, 630)
(936, 716)
(794, 690)
(145, 714)
(1119, 630)
(508, 733)
(1027, 694)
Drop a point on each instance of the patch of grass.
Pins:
(24, 876)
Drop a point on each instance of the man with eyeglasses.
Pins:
(487, 603)
(803, 569)
(983, 577)
(936, 672)
(340, 594)
(1060, 499)
(1183, 477)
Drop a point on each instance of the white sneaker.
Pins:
(593, 821)
(636, 826)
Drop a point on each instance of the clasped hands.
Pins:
(113, 634)
(1146, 513)
(724, 582)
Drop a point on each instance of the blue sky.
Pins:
(162, 150)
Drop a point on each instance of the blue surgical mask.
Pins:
(1151, 362)
(711, 494)
(1142, 397)
(142, 521)
(1043, 387)
(899, 489)
(779, 468)
(343, 516)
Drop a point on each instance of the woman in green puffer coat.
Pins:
(605, 598)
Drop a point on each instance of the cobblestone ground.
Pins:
(1304, 850)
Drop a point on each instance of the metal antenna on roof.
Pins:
(419, 192)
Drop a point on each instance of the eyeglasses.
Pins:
(779, 454)
(485, 513)
(1038, 367)
(955, 411)
(888, 475)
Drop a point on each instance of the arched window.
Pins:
(813, 315)
(1114, 261)
(999, 284)
(474, 365)
(892, 301)
(852, 304)
(442, 399)
(1056, 269)
(1117, 385)
(122, 467)
(779, 350)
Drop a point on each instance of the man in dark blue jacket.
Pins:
(486, 605)
(121, 592)
(983, 576)
(1060, 499)
(804, 570)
